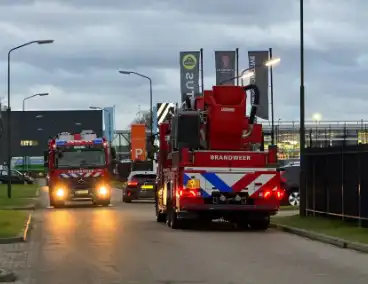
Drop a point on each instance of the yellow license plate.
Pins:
(81, 192)
(193, 184)
(147, 187)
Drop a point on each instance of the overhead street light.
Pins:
(246, 73)
(109, 118)
(123, 72)
(24, 124)
(30, 97)
(317, 117)
(272, 62)
(47, 41)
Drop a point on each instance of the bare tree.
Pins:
(144, 117)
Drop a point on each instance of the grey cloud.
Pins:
(93, 39)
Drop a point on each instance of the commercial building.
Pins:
(30, 130)
(318, 134)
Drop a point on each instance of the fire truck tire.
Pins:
(172, 220)
(260, 224)
(104, 203)
(126, 199)
(242, 224)
(160, 217)
(57, 204)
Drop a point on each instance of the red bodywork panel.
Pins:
(226, 108)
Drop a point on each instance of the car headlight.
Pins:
(60, 192)
(102, 190)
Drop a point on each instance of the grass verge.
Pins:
(289, 208)
(22, 195)
(334, 228)
(12, 222)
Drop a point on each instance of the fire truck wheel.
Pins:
(260, 224)
(242, 224)
(172, 220)
(160, 217)
(57, 204)
(126, 199)
(104, 203)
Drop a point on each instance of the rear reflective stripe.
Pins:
(244, 182)
(80, 175)
(217, 182)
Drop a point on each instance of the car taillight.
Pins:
(185, 192)
(132, 183)
(266, 194)
(280, 193)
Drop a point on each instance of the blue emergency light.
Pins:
(98, 141)
(60, 142)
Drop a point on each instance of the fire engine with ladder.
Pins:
(212, 163)
(78, 168)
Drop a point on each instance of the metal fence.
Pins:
(336, 182)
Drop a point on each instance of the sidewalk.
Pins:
(285, 213)
(14, 257)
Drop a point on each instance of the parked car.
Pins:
(290, 176)
(140, 185)
(16, 177)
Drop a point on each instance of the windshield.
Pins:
(81, 158)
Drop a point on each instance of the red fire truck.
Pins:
(78, 168)
(212, 163)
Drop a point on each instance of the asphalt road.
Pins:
(123, 244)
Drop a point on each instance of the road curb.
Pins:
(337, 242)
(23, 235)
(29, 208)
(7, 275)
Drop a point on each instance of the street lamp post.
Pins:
(109, 118)
(25, 121)
(9, 107)
(151, 111)
(303, 189)
(272, 112)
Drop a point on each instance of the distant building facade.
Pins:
(31, 130)
(317, 134)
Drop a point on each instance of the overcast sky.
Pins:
(95, 38)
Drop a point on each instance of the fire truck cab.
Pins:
(78, 168)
